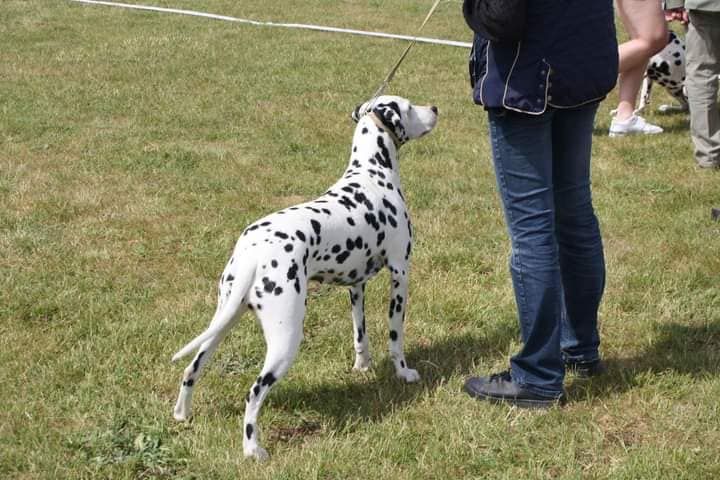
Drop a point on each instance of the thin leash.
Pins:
(391, 73)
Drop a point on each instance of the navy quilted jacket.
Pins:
(568, 57)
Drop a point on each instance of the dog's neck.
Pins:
(387, 129)
(374, 153)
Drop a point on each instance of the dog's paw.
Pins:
(181, 414)
(362, 363)
(256, 452)
(409, 375)
(664, 108)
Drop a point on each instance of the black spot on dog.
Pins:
(342, 257)
(229, 278)
(196, 363)
(300, 235)
(268, 285)
(256, 390)
(387, 204)
(189, 383)
(380, 238)
(351, 221)
(347, 203)
(292, 271)
(249, 431)
(372, 221)
(391, 221)
(664, 68)
(268, 379)
(361, 198)
(274, 263)
(336, 249)
(278, 290)
(393, 335)
(289, 247)
(281, 235)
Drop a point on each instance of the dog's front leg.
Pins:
(398, 301)
(360, 340)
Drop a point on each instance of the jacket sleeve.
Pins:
(670, 4)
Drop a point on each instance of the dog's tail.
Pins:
(224, 316)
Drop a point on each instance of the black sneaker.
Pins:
(589, 369)
(499, 388)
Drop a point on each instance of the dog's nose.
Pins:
(434, 109)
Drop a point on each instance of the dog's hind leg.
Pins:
(183, 406)
(282, 324)
(398, 301)
(230, 306)
(360, 340)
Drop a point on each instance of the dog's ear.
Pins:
(356, 113)
(389, 115)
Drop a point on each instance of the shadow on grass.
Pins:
(685, 350)
(358, 399)
(681, 349)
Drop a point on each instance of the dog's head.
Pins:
(405, 120)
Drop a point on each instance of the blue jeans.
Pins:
(542, 166)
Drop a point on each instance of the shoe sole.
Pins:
(626, 134)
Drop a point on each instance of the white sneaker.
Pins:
(633, 125)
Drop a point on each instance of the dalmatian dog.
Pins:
(344, 237)
(667, 68)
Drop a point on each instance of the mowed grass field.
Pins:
(135, 147)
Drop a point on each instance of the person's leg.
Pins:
(522, 153)
(644, 23)
(582, 262)
(702, 69)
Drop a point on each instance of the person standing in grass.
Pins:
(702, 67)
(541, 94)
(645, 23)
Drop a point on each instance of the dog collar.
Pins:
(378, 121)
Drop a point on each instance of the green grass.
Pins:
(134, 147)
